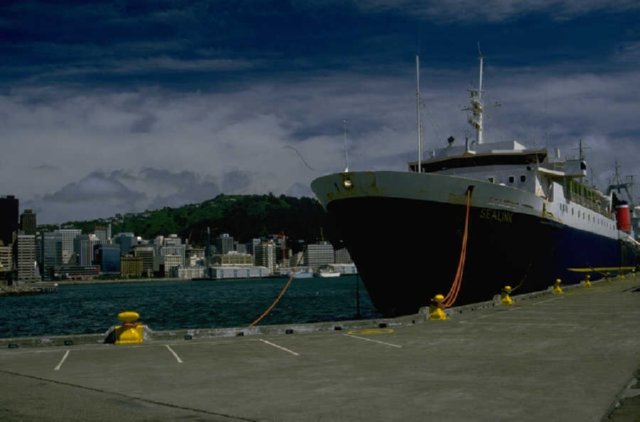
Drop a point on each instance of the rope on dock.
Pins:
(451, 297)
(280, 295)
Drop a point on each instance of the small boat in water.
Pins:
(327, 272)
(303, 273)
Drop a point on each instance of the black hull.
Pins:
(410, 253)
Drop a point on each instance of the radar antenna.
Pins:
(477, 107)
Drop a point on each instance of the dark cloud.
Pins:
(177, 101)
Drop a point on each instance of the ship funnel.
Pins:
(623, 217)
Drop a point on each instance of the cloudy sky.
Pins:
(117, 106)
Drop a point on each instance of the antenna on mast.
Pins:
(346, 150)
(419, 119)
(476, 103)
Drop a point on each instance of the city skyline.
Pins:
(112, 108)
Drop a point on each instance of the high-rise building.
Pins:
(265, 255)
(103, 233)
(147, 253)
(67, 237)
(51, 254)
(26, 257)
(131, 266)
(224, 244)
(28, 222)
(8, 219)
(318, 254)
(126, 241)
(108, 257)
(84, 248)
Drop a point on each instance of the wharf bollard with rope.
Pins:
(505, 296)
(556, 289)
(443, 302)
(280, 295)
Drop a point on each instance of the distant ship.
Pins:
(473, 218)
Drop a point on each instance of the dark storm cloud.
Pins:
(177, 101)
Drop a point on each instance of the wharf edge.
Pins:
(568, 357)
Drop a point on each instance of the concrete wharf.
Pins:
(570, 357)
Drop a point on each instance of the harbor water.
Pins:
(165, 305)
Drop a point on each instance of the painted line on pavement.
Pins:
(175, 355)
(57, 368)
(280, 347)
(373, 341)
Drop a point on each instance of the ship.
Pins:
(471, 219)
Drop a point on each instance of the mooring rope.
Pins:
(280, 295)
(451, 297)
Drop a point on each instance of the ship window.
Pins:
(571, 211)
(523, 178)
(512, 179)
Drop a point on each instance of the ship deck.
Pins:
(569, 357)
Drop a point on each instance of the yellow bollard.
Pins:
(131, 331)
(587, 281)
(557, 290)
(505, 298)
(436, 309)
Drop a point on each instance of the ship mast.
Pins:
(418, 117)
(476, 104)
(346, 150)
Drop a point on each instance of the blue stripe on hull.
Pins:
(411, 251)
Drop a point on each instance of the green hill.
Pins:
(242, 216)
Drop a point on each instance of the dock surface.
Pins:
(550, 357)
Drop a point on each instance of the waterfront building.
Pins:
(84, 248)
(172, 240)
(26, 258)
(108, 258)
(194, 256)
(103, 233)
(28, 222)
(224, 244)
(8, 219)
(67, 237)
(231, 272)
(233, 258)
(126, 241)
(170, 261)
(251, 246)
(6, 265)
(265, 255)
(50, 254)
(179, 250)
(343, 257)
(131, 266)
(187, 273)
(147, 253)
(76, 272)
(6, 258)
(318, 254)
(344, 269)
